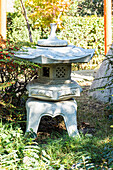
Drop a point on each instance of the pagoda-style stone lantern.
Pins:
(53, 93)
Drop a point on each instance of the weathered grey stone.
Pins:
(37, 109)
(54, 74)
(53, 92)
(104, 76)
(54, 83)
(52, 41)
(83, 75)
(50, 55)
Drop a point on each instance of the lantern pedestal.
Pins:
(39, 108)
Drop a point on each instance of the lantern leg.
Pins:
(36, 109)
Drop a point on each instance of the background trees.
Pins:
(42, 13)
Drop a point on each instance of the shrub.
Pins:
(89, 7)
(15, 74)
(86, 32)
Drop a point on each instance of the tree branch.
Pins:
(26, 18)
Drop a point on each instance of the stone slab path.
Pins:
(83, 76)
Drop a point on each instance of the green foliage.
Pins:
(20, 152)
(17, 29)
(42, 13)
(83, 153)
(86, 8)
(15, 74)
(11, 145)
(86, 32)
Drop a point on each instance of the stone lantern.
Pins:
(54, 93)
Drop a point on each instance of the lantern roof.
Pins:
(49, 55)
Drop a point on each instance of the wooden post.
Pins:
(3, 18)
(107, 24)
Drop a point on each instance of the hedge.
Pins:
(86, 32)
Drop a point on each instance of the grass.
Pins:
(19, 152)
(96, 114)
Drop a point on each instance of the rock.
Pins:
(104, 78)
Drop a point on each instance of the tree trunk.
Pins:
(26, 18)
